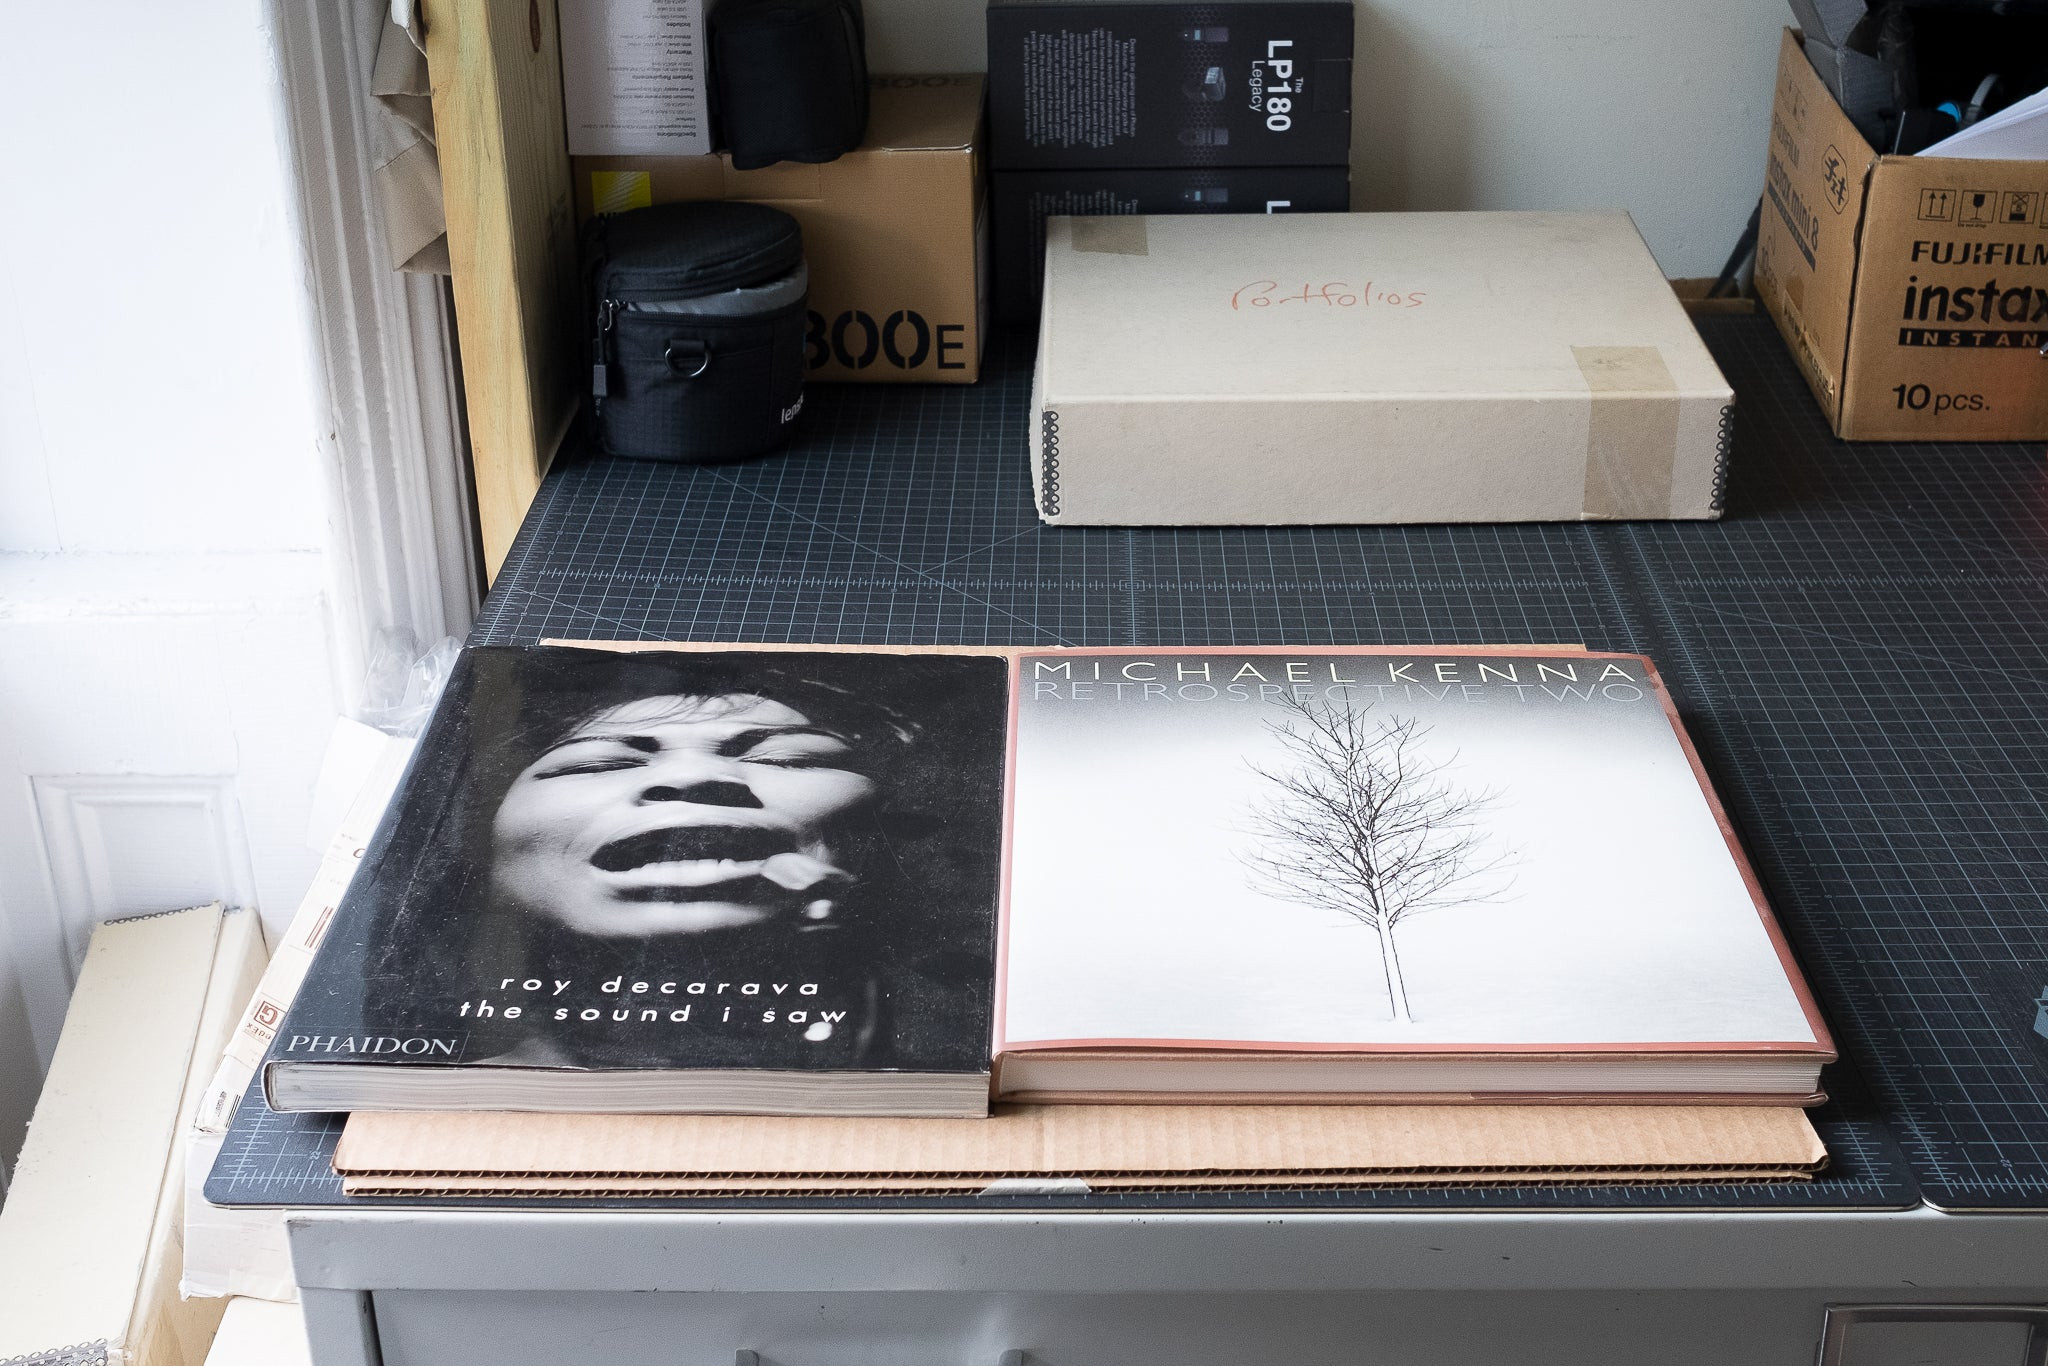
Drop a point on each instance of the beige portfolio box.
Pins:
(895, 232)
(1429, 367)
(1913, 291)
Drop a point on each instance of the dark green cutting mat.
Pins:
(1860, 648)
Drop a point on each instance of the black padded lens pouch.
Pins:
(789, 79)
(698, 352)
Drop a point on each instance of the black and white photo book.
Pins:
(1412, 874)
(684, 880)
(865, 881)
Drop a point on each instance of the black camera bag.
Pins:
(789, 79)
(698, 353)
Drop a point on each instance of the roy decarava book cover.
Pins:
(775, 861)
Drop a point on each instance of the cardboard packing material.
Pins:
(91, 1240)
(1913, 291)
(895, 232)
(1069, 1148)
(1437, 367)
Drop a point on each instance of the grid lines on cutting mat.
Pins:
(1860, 648)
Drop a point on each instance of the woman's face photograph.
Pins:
(679, 814)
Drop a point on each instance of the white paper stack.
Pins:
(91, 1239)
(2019, 132)
(260, 1333)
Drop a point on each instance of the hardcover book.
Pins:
(698, 880)
(1427, 873)
(761, 880)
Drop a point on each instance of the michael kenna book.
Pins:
(836, 881)
(1316, 873)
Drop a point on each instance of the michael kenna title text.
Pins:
(1271, 678)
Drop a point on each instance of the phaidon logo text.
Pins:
(369, 1043)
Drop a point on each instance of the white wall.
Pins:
(1659, 108)
(158, 387)
(166, 654)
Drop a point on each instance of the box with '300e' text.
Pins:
(895, 232)
(1912, 290)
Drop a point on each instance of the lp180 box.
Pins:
(1074, 86)
(1432, 367)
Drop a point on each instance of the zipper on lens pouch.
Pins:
(600, 358)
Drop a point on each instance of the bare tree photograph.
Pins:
(1363, 820)
(1327, 849)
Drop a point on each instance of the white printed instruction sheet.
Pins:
(633, 74)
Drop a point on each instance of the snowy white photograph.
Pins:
(1342, 848)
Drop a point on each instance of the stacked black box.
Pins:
(1154, 106)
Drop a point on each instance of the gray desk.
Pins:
(1861, 649)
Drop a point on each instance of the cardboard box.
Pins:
(634, 78)
(1298, 368)
(1025, 199)
(895, 233)
(1086, 84)
(1913, 291)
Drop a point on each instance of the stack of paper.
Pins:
(2019, 132)
(260, 1333)
(90, 1239)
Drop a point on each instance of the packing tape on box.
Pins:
(1632, 438)
(1123, 236)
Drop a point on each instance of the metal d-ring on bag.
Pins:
(697, 352)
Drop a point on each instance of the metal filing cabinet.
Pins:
(540, 1288)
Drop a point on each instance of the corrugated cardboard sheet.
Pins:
(1155, 1147)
